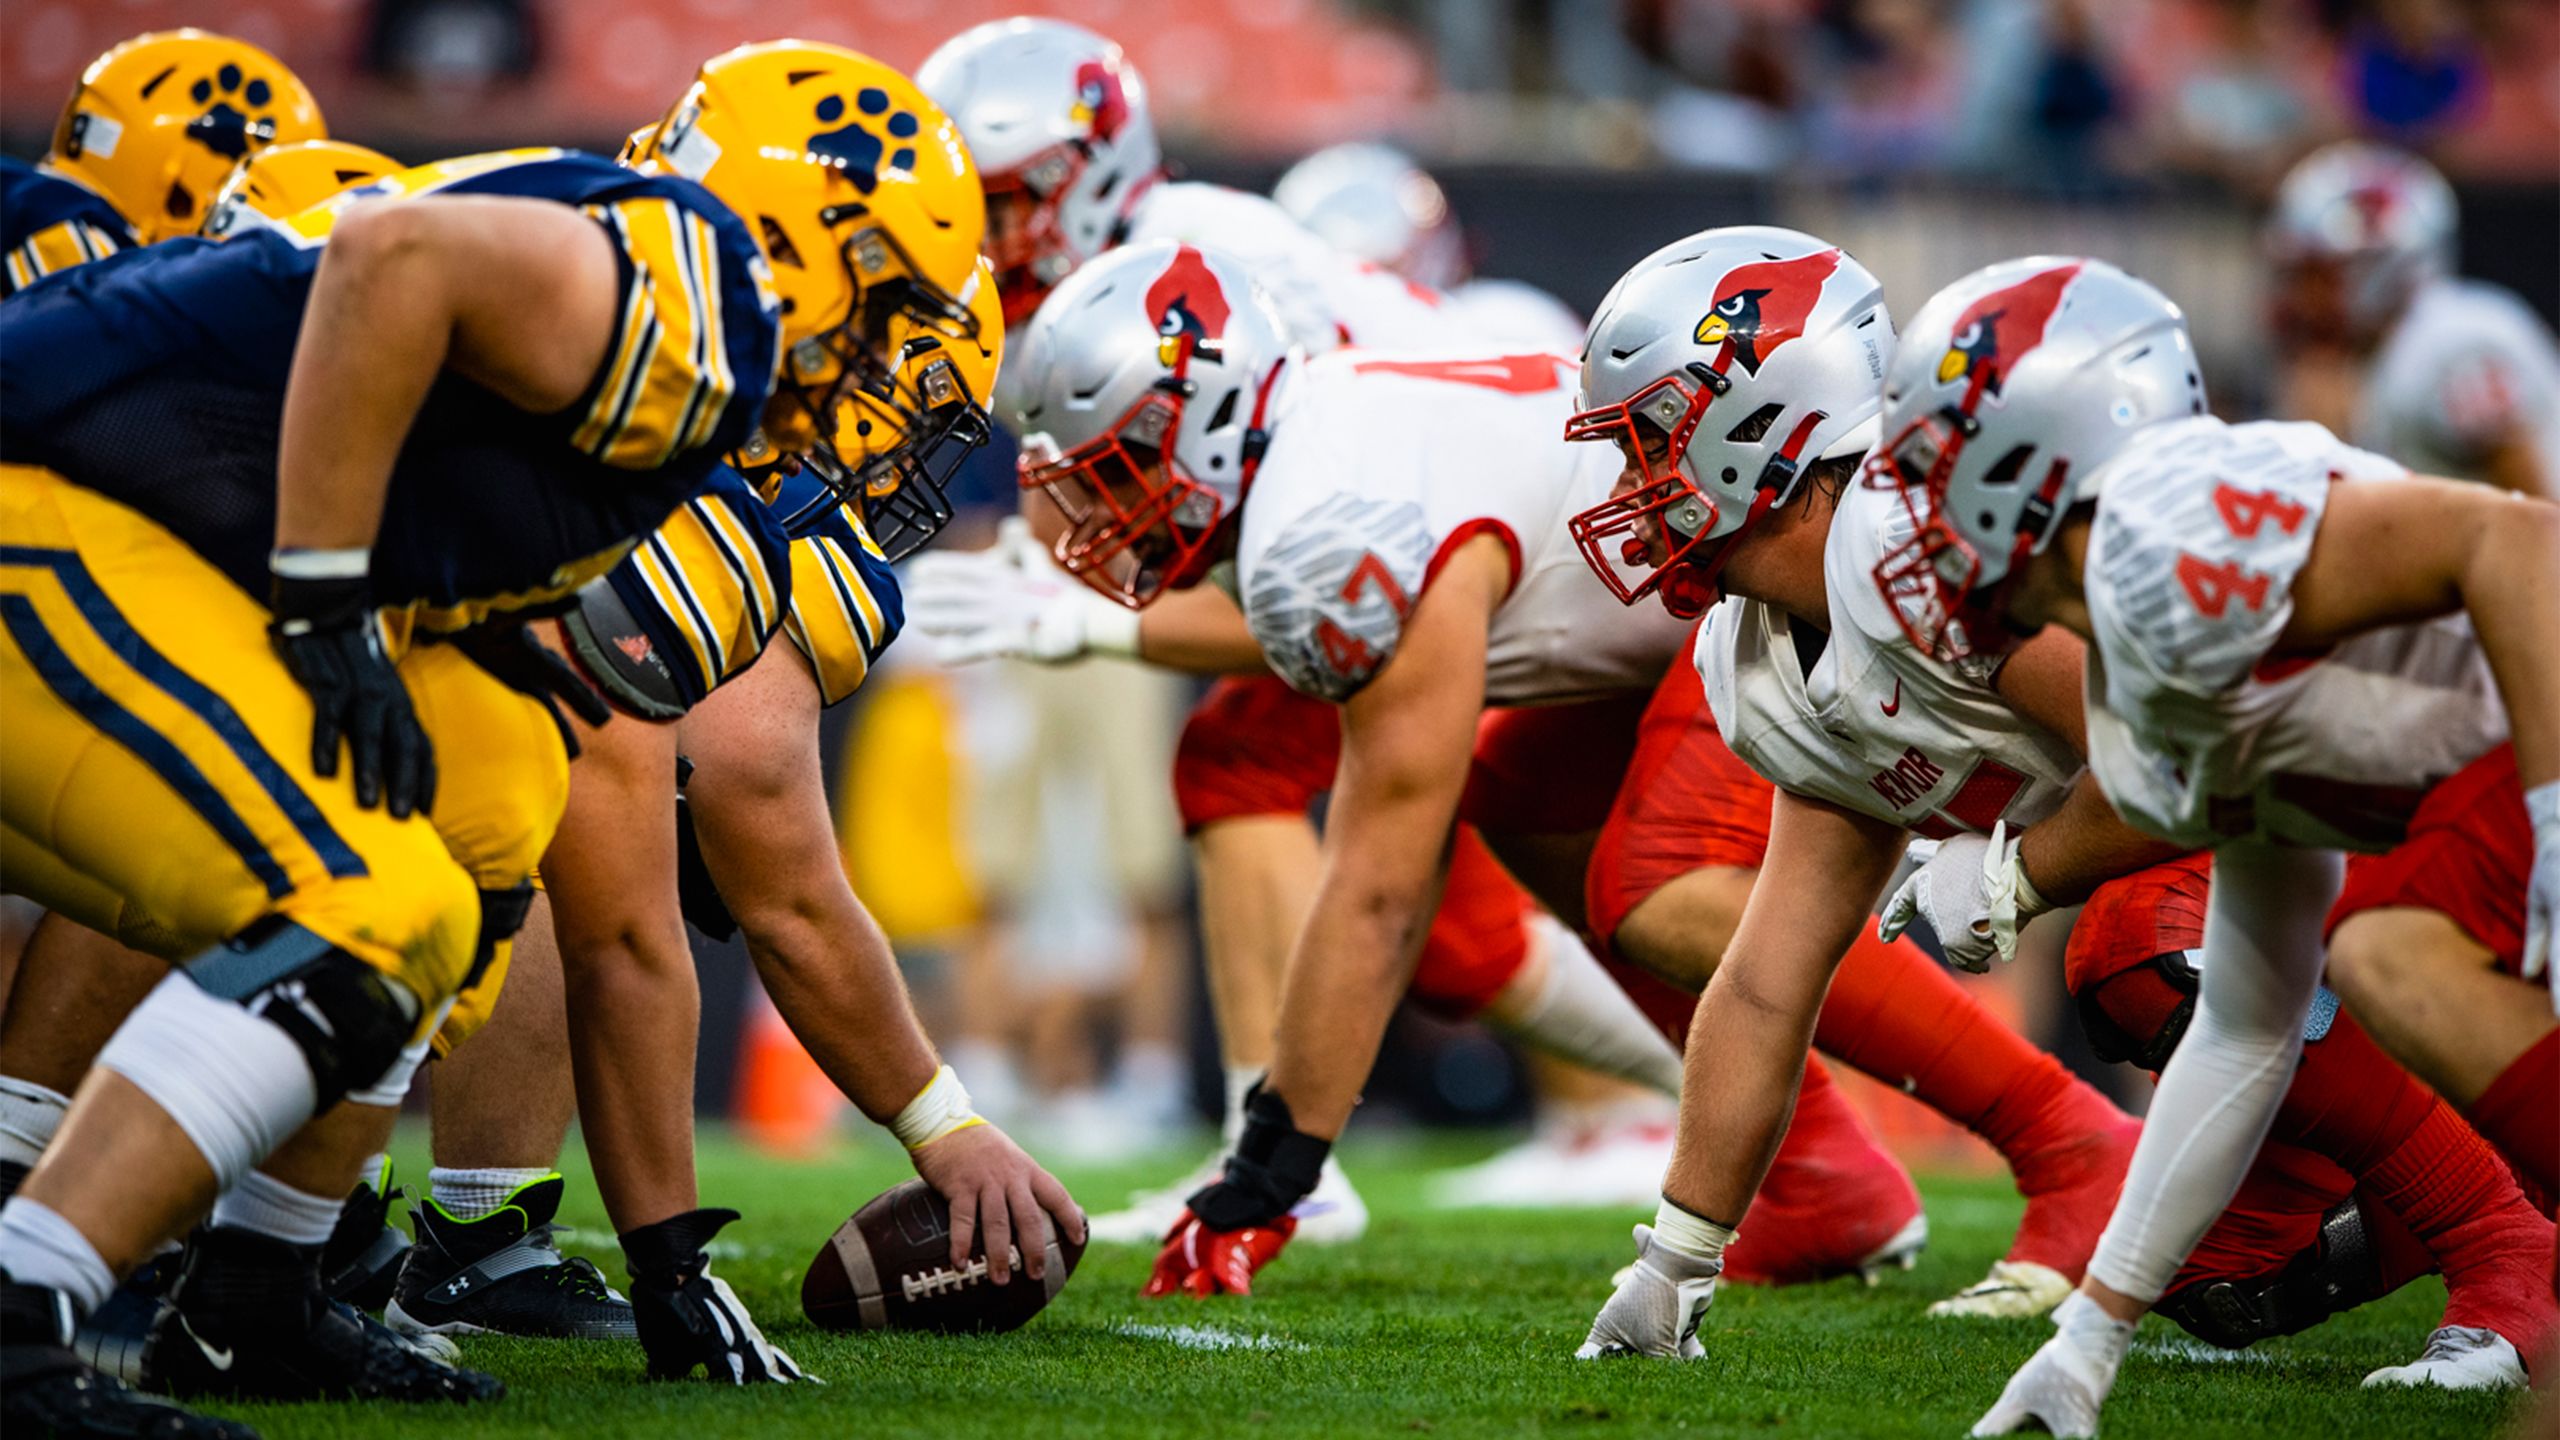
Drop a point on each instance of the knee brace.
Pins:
(2339, 1273)
(349, 1020)
(2116, 1041)
(697, 894)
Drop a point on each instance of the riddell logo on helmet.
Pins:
(1762, 306)
(1189, 307)
(1102, 105)
(1995, 332)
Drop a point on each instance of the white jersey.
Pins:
(1382, 464)
(2197, 731)
(1326, 298)
(2465, 365)
(1875, 725)
(1515, 312)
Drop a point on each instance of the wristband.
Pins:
(2030, 903)
(295, 563)
(2542, 805)
(940, 1108)
(1111, 629)
(1686, 1232)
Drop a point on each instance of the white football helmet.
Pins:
(1057, 119)
(1722, 366)
(1373, 203)
(2013, 387)
(2381, 219)
(1140, 391)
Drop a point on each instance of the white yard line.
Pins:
(1204, 1337)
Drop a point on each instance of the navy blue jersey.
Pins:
(52, 222)
(157, 377)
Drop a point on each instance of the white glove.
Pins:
(1012, 600)
(1657, 1306)
(1973, 892)
(2542, 896)
(2063, 1385)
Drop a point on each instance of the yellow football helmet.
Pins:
(905, 443)
(157, 123)
(285, 180)
(860, 191)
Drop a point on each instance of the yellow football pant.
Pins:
(155, 760)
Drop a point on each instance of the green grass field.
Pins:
(1443, 1325)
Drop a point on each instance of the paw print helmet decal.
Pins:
(286, 180)
(864, 198)
(158, 122)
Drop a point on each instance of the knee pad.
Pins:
(2341, 1272)
(2134, 1028)
(349, 1020)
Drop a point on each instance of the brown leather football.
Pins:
(889, 1268)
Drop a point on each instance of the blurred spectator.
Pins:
(2413, 70)
(453, 46)
(2232, 98)
(1891, 92)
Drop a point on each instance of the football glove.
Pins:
(2062, 1386)
(1974, 893)
(330, 640)
(1200, 1262)
(1012, 601)
(1657, 1306)
(2542, 895)
(688, 1317)
(1237, 1223)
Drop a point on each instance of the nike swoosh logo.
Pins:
(1896, 707)
(219, 1359)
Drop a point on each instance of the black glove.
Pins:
(1274, 1167)
(522, 663)
(326, 633)
(689, 1317)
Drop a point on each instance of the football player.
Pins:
(1808, 676)
(1341, 589)
(2451, 376)
(152, 131)
(460, 406)
(2295, 648)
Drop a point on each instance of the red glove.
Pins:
(1202, 1262)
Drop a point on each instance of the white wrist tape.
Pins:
(940, 1108)
(1111, 629)
(2542, 805)
(1686, 1233)
(298, 564)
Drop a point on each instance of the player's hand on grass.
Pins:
(1657, 1306)
(997, 1191)
(1237, 1223)
(1200, 1262)
(1011, 600)
(2542, 895)
(325, 630)
(1974, 893)
(689, 1318)
(2062, 1386)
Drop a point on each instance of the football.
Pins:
(889, 1268)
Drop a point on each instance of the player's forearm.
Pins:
(2083, 845)
(1201, 631)
(1351, 966)
(1744, 1060)
(2511, 586)
(833, 977)
(377, 329)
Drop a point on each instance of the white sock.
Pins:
(1581, 1015)
(470, 1194)
(377, 1172)
(1240, 1080)
(39, 1247)
(264, 1205)
(29, 1114)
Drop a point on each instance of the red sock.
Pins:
(1832, 1197)
(2449, 1187)
(1899, 1016)
(2399, 1256)
(2520, 1114)
(2350, 1101)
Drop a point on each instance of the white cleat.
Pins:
(2014, 1290)
(2458, 1358)
(1619, 1166)
(1333, 1215)
(1899, 1253)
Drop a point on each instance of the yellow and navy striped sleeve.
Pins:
(57, 247)
(710, 586)
(668, 378)
(50, 223)
(845, 606)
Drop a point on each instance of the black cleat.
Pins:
(46, 1391)
(247, 1319)
(112, 1337)
(361, 1262)
(503, 1274)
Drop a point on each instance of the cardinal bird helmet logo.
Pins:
(1190, 309)
(1995, 332)
(1762, 306)
(1102, 102)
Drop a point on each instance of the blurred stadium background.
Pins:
(1569, 137)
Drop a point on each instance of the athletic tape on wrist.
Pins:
(940, 1108)
(294, 563)
(1689, 1233)
(2542, 805)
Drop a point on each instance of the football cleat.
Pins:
(2458, 1358)
(45, 1389)
(1332, 1214)
(111, 1337)
(247, 1319)
(503, 1274)
(361, 1262)
(2014, 1290)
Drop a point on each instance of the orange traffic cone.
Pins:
(785, 1104)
